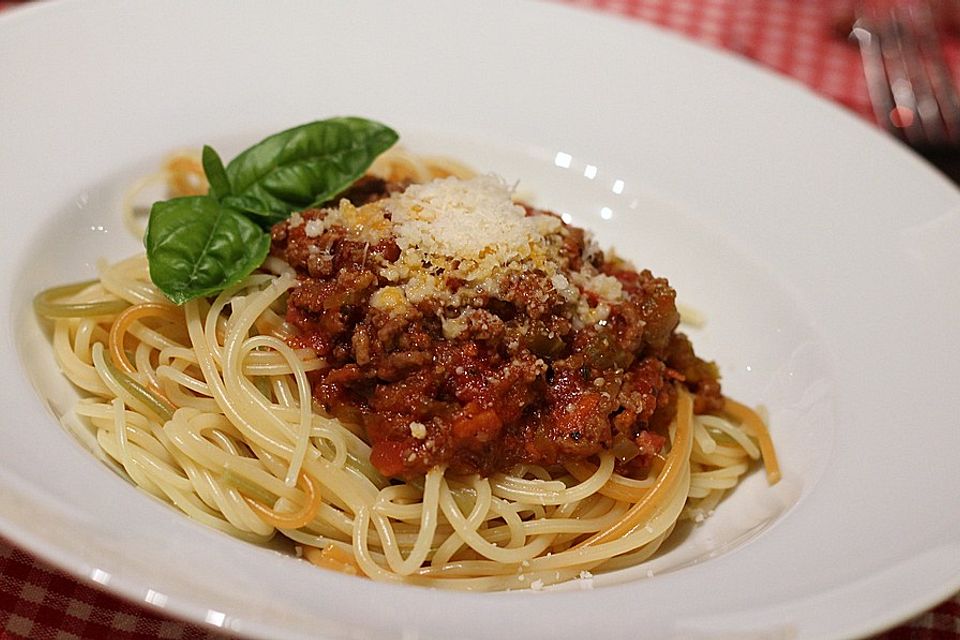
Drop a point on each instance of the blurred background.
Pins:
(891, 63)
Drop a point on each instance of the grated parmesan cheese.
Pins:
(313, 228)
(468, 219)
(469, 230)
(418, 430)
(607, 287)
(471, 233)
(453, 327)
(388, 298)
(586, 580)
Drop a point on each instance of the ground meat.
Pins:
(367, 189)
(700, 376)
(522, 381)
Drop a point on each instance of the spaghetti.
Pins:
(208, 407)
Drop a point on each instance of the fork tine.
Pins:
(941, 79)
(878, 86)
(910, 84)
(891, 93)
(908, 34)
(893, 46)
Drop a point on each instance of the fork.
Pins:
(909, 82)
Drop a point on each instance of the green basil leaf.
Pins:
(307, 165)
(197, 247)
(255, 209)
(216, 174)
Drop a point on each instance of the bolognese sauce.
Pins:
(462, 329)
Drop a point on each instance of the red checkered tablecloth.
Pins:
(802, 39)
(799, 38)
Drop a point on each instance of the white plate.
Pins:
(824, 255)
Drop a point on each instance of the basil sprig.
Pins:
(200, 245)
